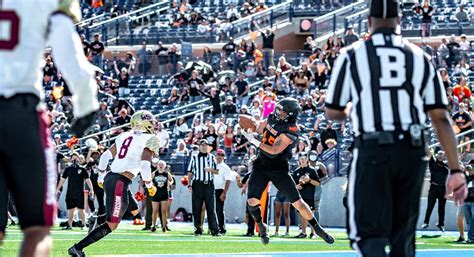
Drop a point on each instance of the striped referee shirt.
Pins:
(197, 165)
(390, 82)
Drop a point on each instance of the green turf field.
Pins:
(130, 239)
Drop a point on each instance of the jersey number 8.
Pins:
(124, 149)
(10, 20)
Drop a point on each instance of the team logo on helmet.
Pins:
(143, 121)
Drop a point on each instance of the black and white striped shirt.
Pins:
(390, 82)
(197, 165)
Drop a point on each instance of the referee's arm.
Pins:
(337, 105)
(191, 170)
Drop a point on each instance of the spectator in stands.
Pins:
(329, 44)
(453, 47)
(174, 59)
(268, 36)
(461, 14)
(246, 10)
(220, 126)
(426, 11)
(97, 7)
(308, 45)
(181, 150)
(173, 98)
(266, 84)
(445, 78)
(463, 121)
(301, 83)
(144, 56)
(283, 64)
(465, 47)
(260, 71)
(461, 90)
(309, 106)
(443, 53)
(462, 68)
(123, 77)
(280, 83)
(97, 50)
(104, 117)
(162, 54)
(322, 66)
(229, 48)
(122, 119)
(229, 107)
(185, 7)
(214, 97)
(240, 143)
(49, 69)
(426, 48)
(350, 36)
(194, 86)
(228, 141)
(164, 138)
(86, 46)
(339, 43)
(307, 72)
(180, 128)
(242, 89)
(232, 11)
(256, 108)
(261, 6)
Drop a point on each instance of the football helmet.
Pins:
(291, 108)
(143, 121)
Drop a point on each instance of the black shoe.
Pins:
(441, 228)
(324, 235)
(223, 232)
(312, 235)
(146, 228)
(197, 234)
(460, 240)
(216, 234)
(167, 228)
(424, 226)
(301, 235)
(153, 229)
(67, 228)
(248, 234)
(263, 233)
(470, 241)
(75, 252)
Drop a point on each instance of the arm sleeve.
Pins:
(145, 170)
(191, 164)
(85, 174)
(104, 160)
(338, 94)
(77, 71)
(434, 94)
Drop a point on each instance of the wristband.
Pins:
(255, 142)
(190, 186)
(455, 171)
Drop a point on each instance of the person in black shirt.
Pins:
(463, 121)
(92, 161)
(163, 59)
(453, 47)
(86, 46)
(122, 119)
(242, 90)
(195, 84)
(267, 47)
(97, 49)
(162, 179)
(123, 77)
(230, 47)
(439, 172)
(212, 138)
(76, 175)
(229, 107)
(328, 133)
(426, 12)
(240, 143)
(306, 180)
(49, 69)
(214, 97)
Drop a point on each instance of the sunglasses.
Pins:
(221, 155)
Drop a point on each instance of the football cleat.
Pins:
(75, 252)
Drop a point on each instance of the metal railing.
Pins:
(112, 28)
(358, 21)
(90, 21)
(334, 21)
(457, 137)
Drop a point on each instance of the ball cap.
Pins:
(384, 9)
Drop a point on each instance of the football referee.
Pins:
(386, 85)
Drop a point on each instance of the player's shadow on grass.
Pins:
(430, 236)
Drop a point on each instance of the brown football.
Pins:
(247, 122)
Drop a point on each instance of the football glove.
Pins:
(100, 179)
(151, 190)
(80, 125)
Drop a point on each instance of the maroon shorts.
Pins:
(28, 167)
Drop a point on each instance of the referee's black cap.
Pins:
(384, 9)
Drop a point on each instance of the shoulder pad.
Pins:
(153, 143)
(71, 8)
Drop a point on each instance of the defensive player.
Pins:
(26, 28)
(280, 134)
(132, 153)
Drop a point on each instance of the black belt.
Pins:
(383, 137)
(203, 182)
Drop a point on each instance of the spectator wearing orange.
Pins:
(461, 90)
(97, 7)
(261, 6)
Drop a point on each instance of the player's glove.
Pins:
(151, 191)
(100, 179)
(80, 125)
(250, 137)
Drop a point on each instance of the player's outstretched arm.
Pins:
(280, 144)
(69, 56)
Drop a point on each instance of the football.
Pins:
(247, 122)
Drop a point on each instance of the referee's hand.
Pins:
(456, 188)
